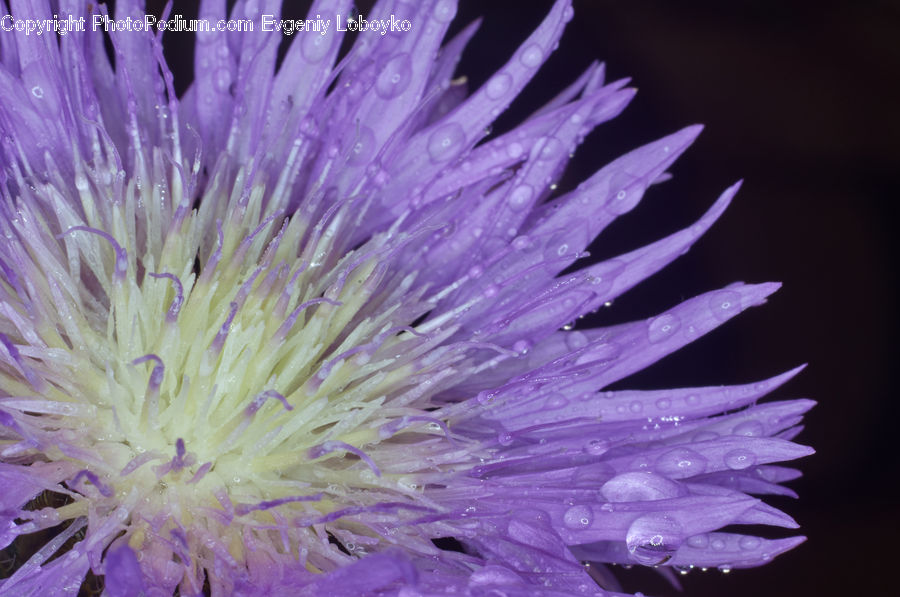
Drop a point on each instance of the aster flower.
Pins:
(303, 330)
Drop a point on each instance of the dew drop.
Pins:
(552, 148)
(576, 340)
(484, 396)
(739, 459)
(445, 11)
(725, 304)
(704, 436)
(395, 77)
(663, 403)
(315, 47)
(559, 247)
(222, 80)
(663, 327)
(504, 438)
(639, 487)
(596, 447)
(514, 150)
(680, 463)
(363, 147)
(749, 542)
(532, 56)
(520, 243)
(446, 142)
(251, 9)
(493, 574)
(37, 91)
(556, 401)
(698, 541)
(475, 271)
(498, 86)
(624, 201)
(521, 346)
(605, 273)
(578, 517)
(749, 429)
(653, 539)
(520, 196)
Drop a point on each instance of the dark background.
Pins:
(800, 99)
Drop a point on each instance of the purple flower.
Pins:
(305, 331)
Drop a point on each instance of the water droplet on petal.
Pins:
(663, 403)
(576, 340)
(484, 396)
(704, 436)
(504, 438)
(532, 56)
(663, 327)
(624, 201)
(578, 517)
(556, 401)
(698, 541)
(493, 574)
(315, 47)
(363, 147)
(552, 148)
(653, 539)
(596, 447)
(640, 487)
(520, 243)
(559, 248)
(680, 463)
(446, 142)
(521, 346)
(749, 429)
(498, 86)
(724, 304)
(251, 9)
(739, 459)
(749, 542)
(604, 274)
(520, 196)
(222, 80)
(445, 11)
(394, 77)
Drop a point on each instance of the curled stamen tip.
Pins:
(121, 253)
(104, 489)
(260, 398)
(324, 448)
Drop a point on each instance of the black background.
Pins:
(800, 99)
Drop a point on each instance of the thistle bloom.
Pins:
(303, 330)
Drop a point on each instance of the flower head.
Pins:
(303, 330)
